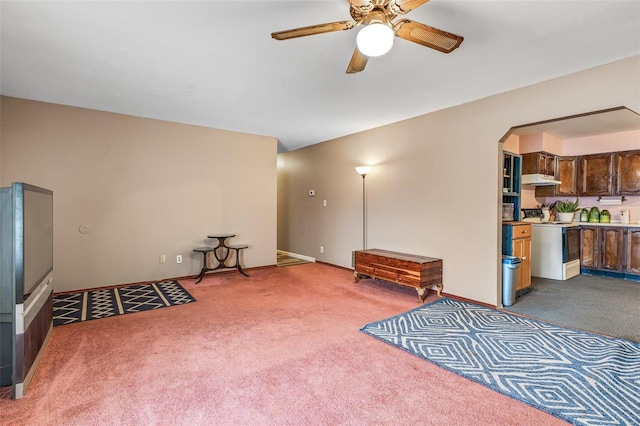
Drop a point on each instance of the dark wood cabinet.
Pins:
(627, 172)
(567, 173)
(612, 249)
(589, 247)
(632, 263)
(611, 173)
(596, 174)
(539, 162)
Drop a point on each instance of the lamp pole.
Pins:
(362, 171)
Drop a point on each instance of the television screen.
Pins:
(37, 229)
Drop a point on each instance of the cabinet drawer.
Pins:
(385, 274)
(521, 231)
(363, 269)
(410, 280)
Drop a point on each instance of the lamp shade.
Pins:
(375, 39)
(363, 170)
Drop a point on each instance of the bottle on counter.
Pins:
(605, 217)
(594, 215)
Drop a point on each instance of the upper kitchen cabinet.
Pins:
(539, 162)
(596, 175)
(567, 174)
(627, 173)
(613, 173)
(511, 175)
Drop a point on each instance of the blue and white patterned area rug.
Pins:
(94, 304)
(580, 377)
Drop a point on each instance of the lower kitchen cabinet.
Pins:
(589, 247)
(632, 244)
(516, 241)
(610, 251)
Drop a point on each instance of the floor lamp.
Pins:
(362, 171)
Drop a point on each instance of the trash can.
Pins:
(510, 265)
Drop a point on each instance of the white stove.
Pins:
(555, 247)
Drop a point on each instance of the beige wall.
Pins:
(434, 188)
(145, 187)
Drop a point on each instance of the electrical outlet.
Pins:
(163, 258)
(324, 203)
(321, 249)
(179, 258)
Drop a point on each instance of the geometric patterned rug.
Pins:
(580, 377)
(95, 304)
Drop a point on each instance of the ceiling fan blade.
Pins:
(360, 3)
(400, 7)
(427, 36)
(313, 29)
(357, 63)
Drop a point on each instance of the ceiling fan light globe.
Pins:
(375, 40)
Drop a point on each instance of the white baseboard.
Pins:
(297, 256)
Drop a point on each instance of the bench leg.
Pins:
(422, 292)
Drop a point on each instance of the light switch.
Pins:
(324, 203)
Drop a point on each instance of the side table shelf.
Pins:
(221, 253)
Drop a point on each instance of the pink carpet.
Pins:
(279, 348)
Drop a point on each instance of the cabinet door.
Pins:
(525, 263)
(589, 248)
(568, 175)
(596, 174)
(612, 247)
(522, 249)
(566, 171)
(538, 162)
(627, 167)
(632, 265)
(549, 164)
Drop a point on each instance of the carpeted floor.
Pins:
(584, 378)
(597, 304)
(280, 348)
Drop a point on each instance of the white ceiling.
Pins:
(597, 123)
(213, 63)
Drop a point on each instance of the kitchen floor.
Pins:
(597, 304)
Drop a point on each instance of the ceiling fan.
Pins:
(375, 16)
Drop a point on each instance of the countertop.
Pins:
(632, 224)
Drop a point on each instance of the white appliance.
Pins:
(539, 180)
(624, 215)
(555, 250)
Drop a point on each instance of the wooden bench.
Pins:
(419, 272)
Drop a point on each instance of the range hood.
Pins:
(538, 179)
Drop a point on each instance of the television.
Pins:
(26, 281)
